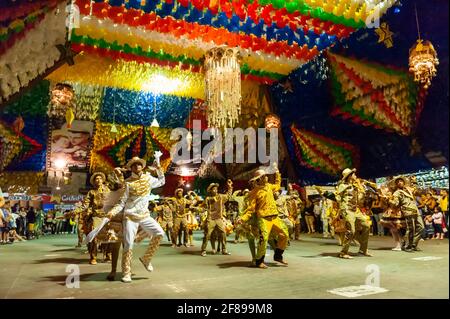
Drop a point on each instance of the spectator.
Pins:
(58, 220)
(5, 219)
(31, 220)
(49, 222)
(377, 211)
(437, 222)
(13, 235)
(317, 214)
(309, 216)
(429, 228)
(39, 222)
(443, 204)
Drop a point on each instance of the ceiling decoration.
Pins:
(323, 154)
(374, 95)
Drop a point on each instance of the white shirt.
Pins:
(136, 207)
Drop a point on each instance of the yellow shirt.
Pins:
(443, 203)
(261, 200)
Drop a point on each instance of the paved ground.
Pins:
(37, 269)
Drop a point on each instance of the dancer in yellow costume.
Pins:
(262, 203)
(349, 195)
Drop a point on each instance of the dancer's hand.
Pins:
(118, 172)
(158, 155)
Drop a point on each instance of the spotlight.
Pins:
(60, 163)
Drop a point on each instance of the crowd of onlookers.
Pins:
(21, 223)
(432, 204)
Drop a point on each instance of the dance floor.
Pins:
(37, 269)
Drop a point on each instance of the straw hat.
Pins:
(179, 190)
(135, 160)
(257, 175)
(245, 191)
(211, 186)
(91, 180)
(346, 172)
(400, 178)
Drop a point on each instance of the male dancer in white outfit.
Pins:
(134, 203)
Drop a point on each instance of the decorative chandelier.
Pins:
(422, 60)
(223, 86)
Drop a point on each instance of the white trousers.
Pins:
(130, 228)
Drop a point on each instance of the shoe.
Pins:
(262, 266)
(345, 256)
(282, 261)
(111, 276)
(367, 254)
(416, 249)
(93, 262)
(397, 249)
(408, 249)
(186, 245)
(126, 279)
(174, 246)
(225, 253)
(203, 254)
(148, 266)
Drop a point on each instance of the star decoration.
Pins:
(67, 54)
(384, 35)
(287, 87)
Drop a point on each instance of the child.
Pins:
(437, 221)
(429, 228)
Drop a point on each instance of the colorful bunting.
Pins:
(323, 154)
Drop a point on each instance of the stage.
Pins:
(37, 269)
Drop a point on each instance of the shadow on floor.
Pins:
(335, 254)
(240, 264)
(67, 249)
(62, 260)
(101, 276)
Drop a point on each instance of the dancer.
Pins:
(180, 209)
(92, 210)
(165, 217)
(404, 199)
(134, 203)
(215, 207)
(349, 194)
(295, 206)
(283, 212)
(262, 203)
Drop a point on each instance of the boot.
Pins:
(114, 258)
(152, 247)
(126, 265)
(278, 256)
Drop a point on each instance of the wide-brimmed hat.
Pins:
(257, 175)
(91, 180)
(135, 160)
(346, 172)
(211, 186)
(245, 191)
(179, 190)
(400, 178)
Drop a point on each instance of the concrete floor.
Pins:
(37, 269)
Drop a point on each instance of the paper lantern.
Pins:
(422, 62)
(272, 121)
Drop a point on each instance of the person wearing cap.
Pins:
(283, 211)
(262, 203)
(134, 204)
(92, 210)
(215, 213)
(350, 195)
(405, 200)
